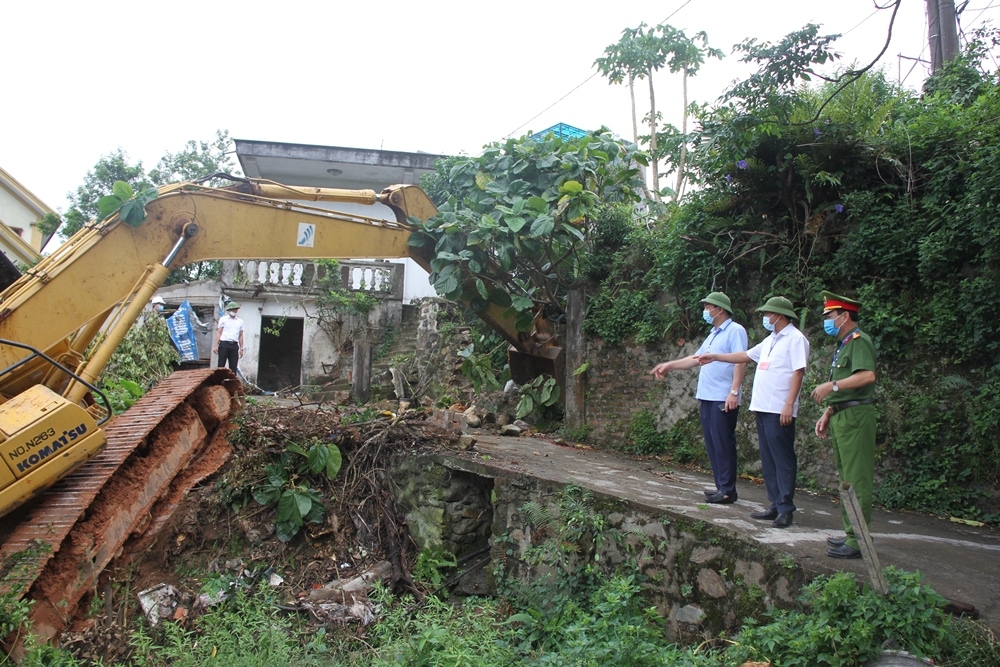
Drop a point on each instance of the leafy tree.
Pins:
(638, 54)
(513, 221)
(195, 161)
(99, 182)
(687, 58)
(145, 356)
(341, 313)
(853, 185)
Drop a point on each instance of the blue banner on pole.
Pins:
(182, 332)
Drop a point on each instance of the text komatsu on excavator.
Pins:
(61, 321)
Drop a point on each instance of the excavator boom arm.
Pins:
(97, 283)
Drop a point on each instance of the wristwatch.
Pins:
(734, 392)
(835, 387)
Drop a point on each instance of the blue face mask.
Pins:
(708, 318)
(830, 326)
(767, 324)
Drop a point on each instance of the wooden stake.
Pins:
(850, 501)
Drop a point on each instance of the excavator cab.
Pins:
(9, 273)
(43, 436)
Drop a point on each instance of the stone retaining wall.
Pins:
(701, 578)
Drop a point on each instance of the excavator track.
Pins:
(171, 439)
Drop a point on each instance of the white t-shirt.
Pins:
(777, 357)
(231, 328)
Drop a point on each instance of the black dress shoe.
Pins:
(843, 551)
(784, 520)
(836, 541)
(711, 492)
(769, 515)
(721, 499)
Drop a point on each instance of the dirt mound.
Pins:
(222, 538)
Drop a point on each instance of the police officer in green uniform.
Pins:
(850, 414)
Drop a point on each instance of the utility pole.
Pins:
(942, 32)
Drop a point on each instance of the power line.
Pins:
(983, 9)
(917, 60)
(575, 88)
(675, 11)
(961, 30)
(862, 21)
(981, 12)
(579, 85)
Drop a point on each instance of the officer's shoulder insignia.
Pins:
(857, 334)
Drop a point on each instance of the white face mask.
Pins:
(767, 323)
(232, 313)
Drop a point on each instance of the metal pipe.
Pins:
(92, 368)
(190, 229)
(277, 191)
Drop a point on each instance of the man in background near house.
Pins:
(781, 360)
(718, 393)
(229, 338)
(850, 414)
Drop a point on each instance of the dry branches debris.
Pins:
(360, 505)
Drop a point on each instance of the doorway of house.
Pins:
(280, 364)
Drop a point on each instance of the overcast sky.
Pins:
(84, 78)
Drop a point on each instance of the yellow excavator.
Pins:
(61, 321)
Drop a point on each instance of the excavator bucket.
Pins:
(525, 367)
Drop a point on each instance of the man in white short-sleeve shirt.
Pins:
(781, 360)
(229, 338)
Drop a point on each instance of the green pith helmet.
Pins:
(780, 305)
(232, 305)
(721, 300)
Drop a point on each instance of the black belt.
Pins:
(843, 405)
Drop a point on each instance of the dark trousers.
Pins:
(719, 430)
(777, 460)
(229, 351)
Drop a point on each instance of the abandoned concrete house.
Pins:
(287, 345)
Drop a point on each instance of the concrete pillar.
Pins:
(949, 30)
(361, 384)
(942, 32)
(574, 348)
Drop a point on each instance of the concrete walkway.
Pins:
(960, 562)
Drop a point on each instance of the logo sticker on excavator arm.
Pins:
(307, 235)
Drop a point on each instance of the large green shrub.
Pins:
(873, 191)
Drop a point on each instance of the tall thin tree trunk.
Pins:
(684, 145)
(652, 138)
(635, 123)
(635, 130)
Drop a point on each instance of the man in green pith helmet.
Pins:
(229, 338)
(718, 393)
(781, 360)
(850, 414)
